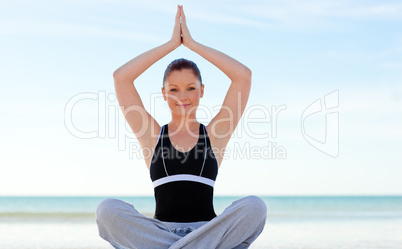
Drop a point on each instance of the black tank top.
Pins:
(184, 182)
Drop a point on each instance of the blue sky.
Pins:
(55, 52)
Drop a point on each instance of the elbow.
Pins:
(121, 76)
(249, 72)
(116, 74)
(246, 74)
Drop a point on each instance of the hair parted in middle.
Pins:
(180, 64)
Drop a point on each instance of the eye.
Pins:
(173, 90)
(191, 88)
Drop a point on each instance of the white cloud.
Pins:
(313, 13)
(54, 28)
(383, 10)
(228, 19)
(262, 14)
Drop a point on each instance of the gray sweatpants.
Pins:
(237, 227)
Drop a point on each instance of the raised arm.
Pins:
(141, 122)
(224, 123)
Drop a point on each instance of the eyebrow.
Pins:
(176, 85)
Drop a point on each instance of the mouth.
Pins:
(183, 105)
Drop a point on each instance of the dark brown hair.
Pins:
(180, 64)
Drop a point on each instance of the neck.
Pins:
(183, 123)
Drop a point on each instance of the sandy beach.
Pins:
(340, 235)
(331, 225)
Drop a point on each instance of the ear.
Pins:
(202, 91)
(163, 93)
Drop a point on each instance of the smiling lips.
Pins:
(184, 105)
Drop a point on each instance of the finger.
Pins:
(183, 17)
(177, 20)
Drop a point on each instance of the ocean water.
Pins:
(293, 222)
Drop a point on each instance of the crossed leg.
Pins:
(237, 227)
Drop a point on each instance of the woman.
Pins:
(184, 157)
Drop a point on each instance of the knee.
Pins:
(255, 207)
(106, 209)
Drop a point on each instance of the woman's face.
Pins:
(182, 90)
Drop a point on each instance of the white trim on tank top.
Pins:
(183, 177)
(205, 150)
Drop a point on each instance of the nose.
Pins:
(182, 95)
